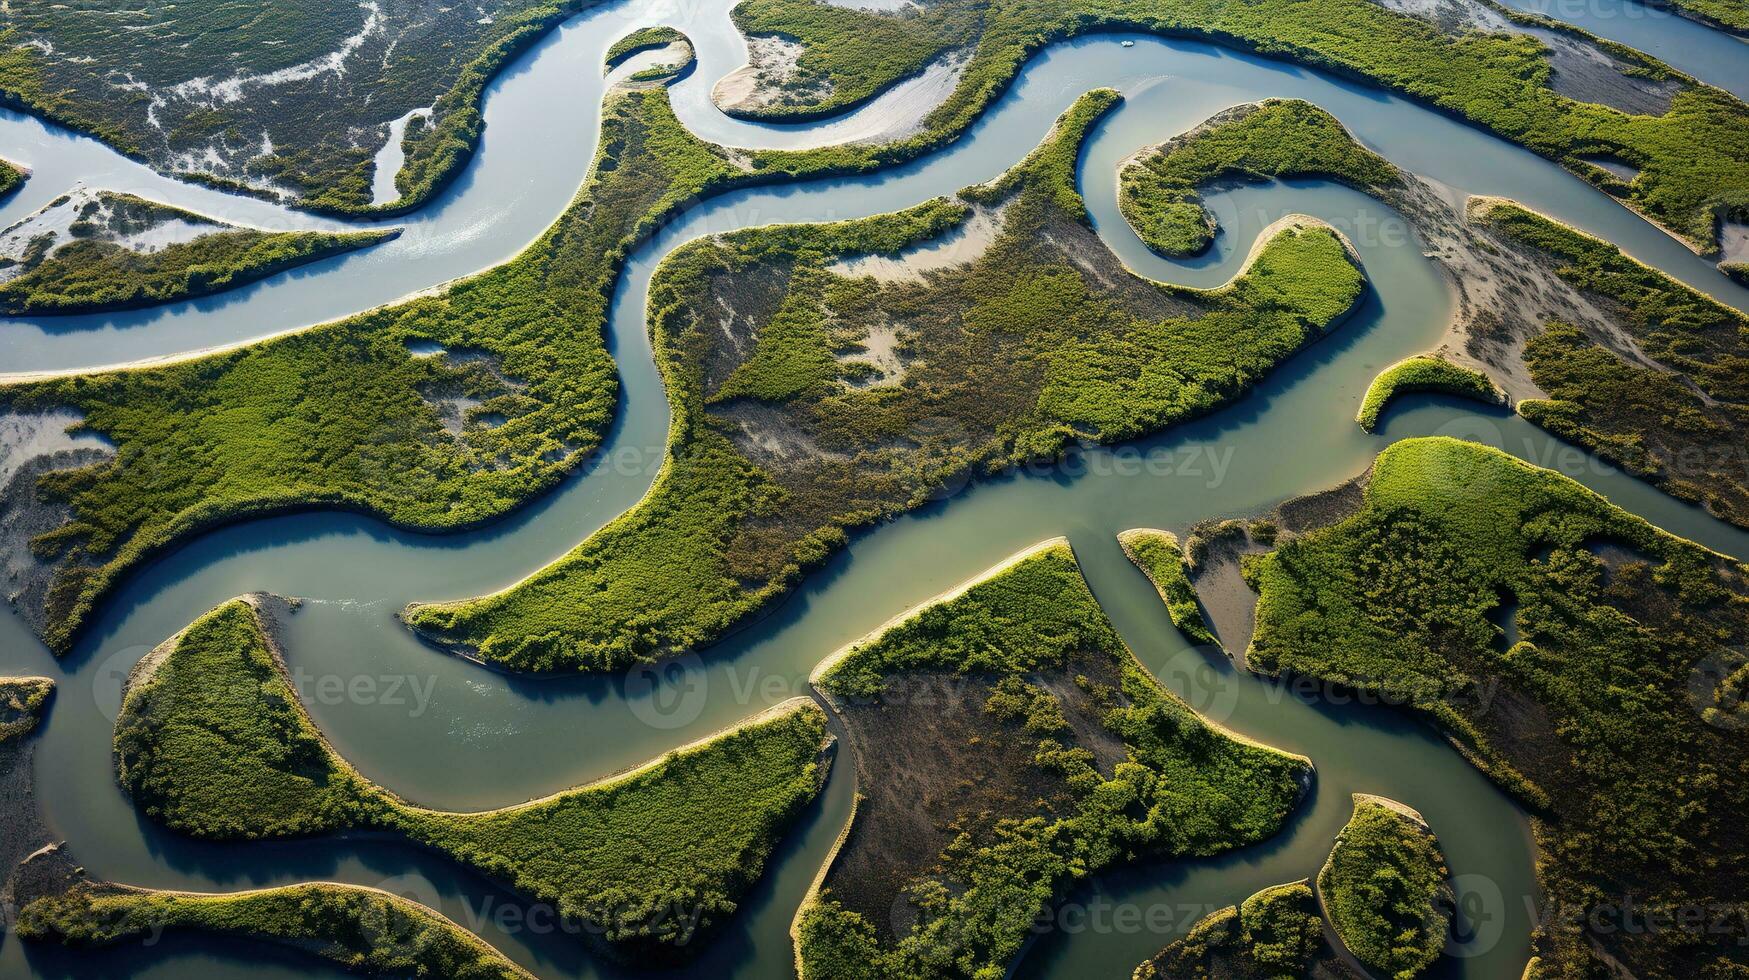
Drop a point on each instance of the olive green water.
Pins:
(446, 733)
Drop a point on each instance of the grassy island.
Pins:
(1276, 934)
(1738, 271)
(1007, 747)
(363, 930)
(820, 381)
(1681, 422)
(1276, 138)
(1616, 715)
(359, 414)
(1385, 891)
(289, 100)
(1690, 142)
(212, 741)
(21, 705)
(1158, 555)
(1423, 373)
(109, 262)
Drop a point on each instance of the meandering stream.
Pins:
(443, 732)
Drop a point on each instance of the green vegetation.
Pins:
(345, 415)
(1680, 424)
(364, 930)
(1063, 758)
(1269, 140)
(1276, 934)
(1738, 271)
(643, 39)
(213, 742)
(1384, 889)
(1423, 373)
(1727, 15)
(21, 705)
(1693, 159)
(11, 179)
(1160, 558)
(282, 98)
(100, 269)
(1598, 716)
(786, 433)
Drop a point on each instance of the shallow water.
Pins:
(446, 733)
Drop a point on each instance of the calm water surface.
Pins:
(445, 733)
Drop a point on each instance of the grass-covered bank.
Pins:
(818, 385)
(639, 41)
(1384, 889)
(1276, 934)
(288, 100)
(1693, 159)
(1009, 746)
(1158, 555)
(1617, 715)
(213, 741)
(1158, 187)
(358, 414)
(1423, 373)
(123, 252)
(1680, 421)
(362, 930)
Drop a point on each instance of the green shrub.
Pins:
(1423, 373)
(1384, 889)
(1041, 342)
(213, 742)
(643, 39)
(11, 179)
(1738, 271)
(363, 930)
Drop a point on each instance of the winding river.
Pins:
(445, 733)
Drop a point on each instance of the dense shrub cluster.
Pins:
(1182, 787)
(643, 39)
(1613, 714)
(1384, 890)
(1423, 373)
(1275, 139)
(213, 742)
(778, 446)
(362, 930)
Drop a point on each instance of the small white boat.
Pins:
(1129, 44)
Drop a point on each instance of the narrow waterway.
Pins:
(445, 733)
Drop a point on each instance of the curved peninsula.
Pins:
(213, 741)
(363, 930)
